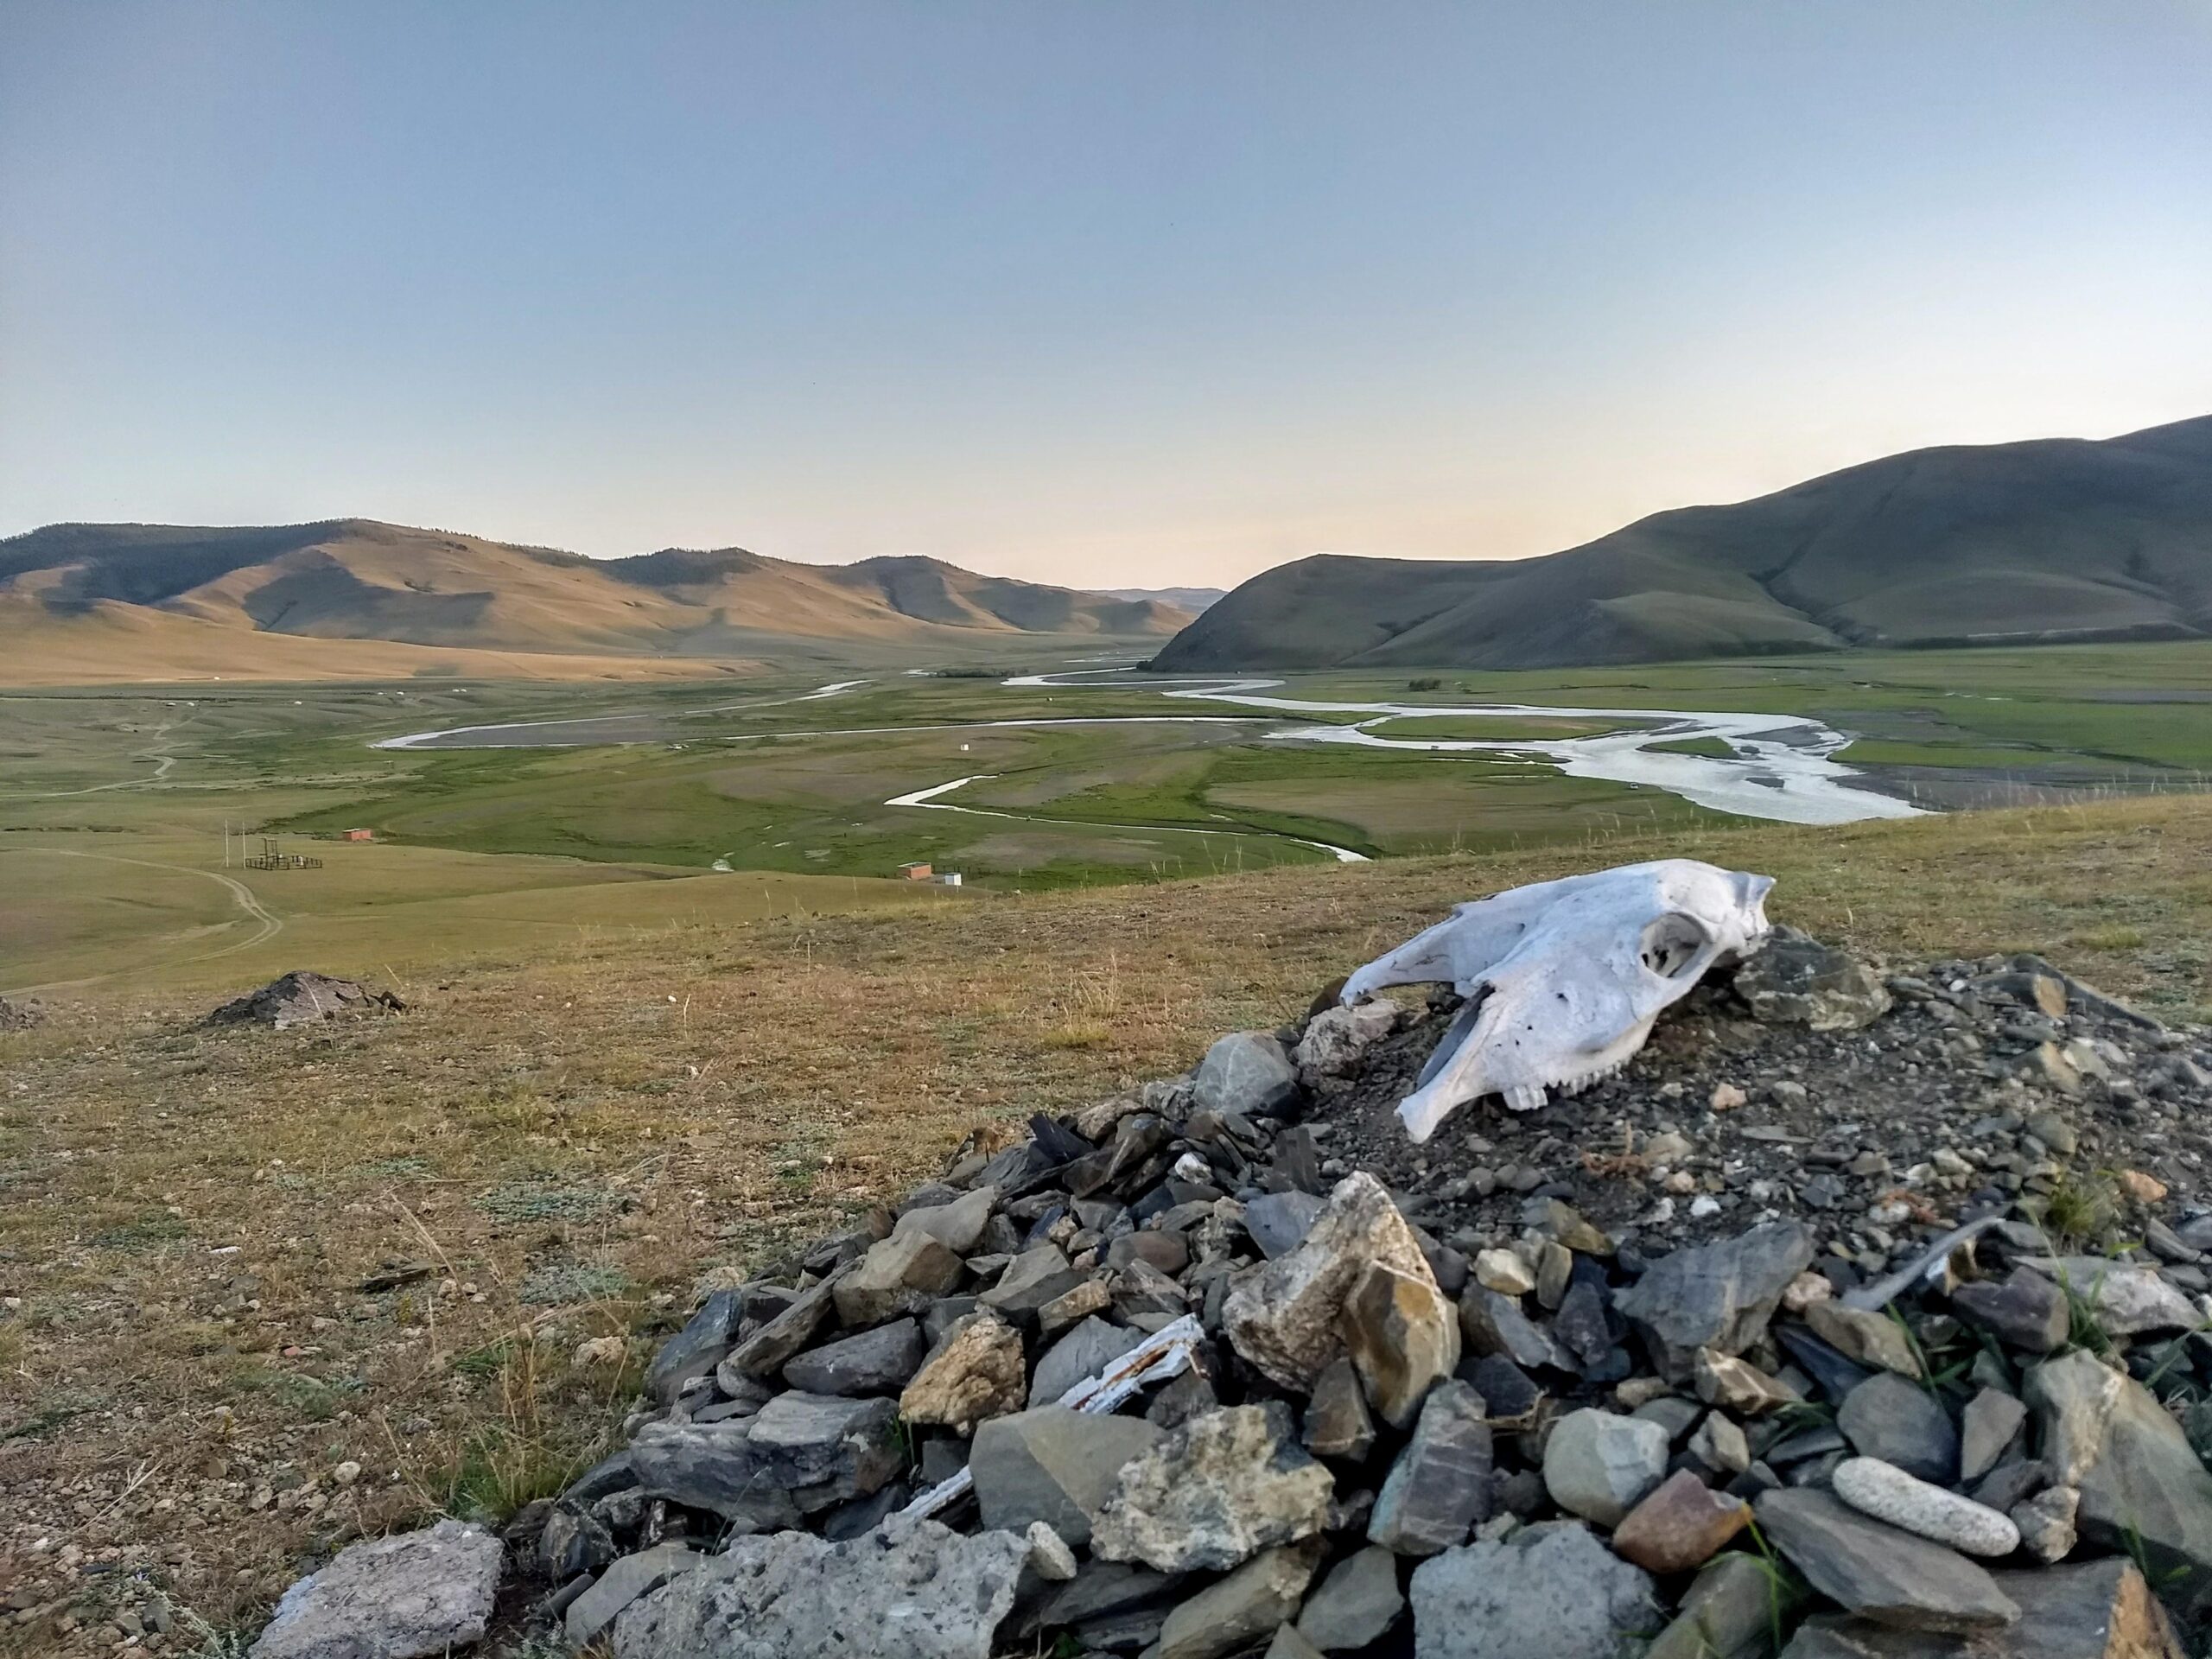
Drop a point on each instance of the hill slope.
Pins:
(358, 580)
(2052, 539)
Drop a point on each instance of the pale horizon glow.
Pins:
(1105, 296)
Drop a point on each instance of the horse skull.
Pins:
(1564, 979)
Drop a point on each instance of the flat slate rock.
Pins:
(1877, 1571)
(412, 1594)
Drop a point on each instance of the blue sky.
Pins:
(1092, 293)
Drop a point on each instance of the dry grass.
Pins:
(565, 1147)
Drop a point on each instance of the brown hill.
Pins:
(2055, 539)
(187, 599)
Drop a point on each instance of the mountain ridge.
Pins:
(364, 581)
(2045, 539)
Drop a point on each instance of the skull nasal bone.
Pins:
(1672, 944)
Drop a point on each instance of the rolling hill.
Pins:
(2053, 539)
(155, 600)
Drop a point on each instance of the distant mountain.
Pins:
(2051, 540)
(165, 591)
(1192, 599)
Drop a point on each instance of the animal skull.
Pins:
(1563, 979)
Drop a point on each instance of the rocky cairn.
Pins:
(1861, 1316)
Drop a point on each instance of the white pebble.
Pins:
(1887, 1493)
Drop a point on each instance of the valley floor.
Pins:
(269, 1290)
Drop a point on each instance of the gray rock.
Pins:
(1357, 1601)
(1494, 1326)
(2026, 1311)
(1440, 1484)
(2126, 1301)
(1718, 1296)
(1887, 1493)
(1103, 1590)
(1987, 1429)
(1032, 1279)
(1289, 1644)
(712, 1467)
(910, 1590)
(1214, 1493)
(1337, 1422)
(896, 1275)
(2048, 1522)
(1901, 1423)
(1241, 1608)
(1720, 1444)
(1878, 1572)
(1078, 1355)
(767, 1349)
(1796, 980)
(1551, 1592)
(1729, 1612)
(873, 1362)
(1246, 1071)
(696, 1349)
(621, 1584)
(1053, 1464)
(823, 1449)
(412, 1594)
(958, 1225)
(1279, 1222)
(2094, 1610)
(1335, 1039)
(2143, 1489)
(1600, 1466)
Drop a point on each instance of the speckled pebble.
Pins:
(1887, 1493)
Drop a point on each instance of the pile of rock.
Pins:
(1367, 1415)
(303, 995)
(19, 1016)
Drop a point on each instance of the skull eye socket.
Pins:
(1671, 944)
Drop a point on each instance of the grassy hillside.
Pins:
(2052, 540)
(178, 601)
(563, 1143)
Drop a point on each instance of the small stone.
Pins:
(1073, 1307)
(1505, 1272)
(410, 1595)
(1795, 980)
(977, 1371)
(1545, 1593)
(1804, 1290)
(1440, 1485)
(871, 1362)
(1737, 1386)
(1726, 1097)
(1247, 1073)
(1337, 1422)
(1080, 1355)
(345, 1473)
(897, 1276)
(1403, 1337)
(958, 1225)
(1721, 1445)
(1895, 1422)
(1357, 1601)
(1887, 1493)
(2046, 1523)
(1289, 1644)
(1681, 1525)
(1597, 1466)
(1223, 1487)
(1987, 1428)
(1336, 1038)
(1729, 1612)
(1493, 1323)
(1257, 1597)
(1033, 1281)
(1869, 1338)
(1049, 1558)
(1718, 1296)
(1876, 1571)
(2027, 1311)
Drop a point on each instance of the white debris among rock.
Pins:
(1887, 1493)
(398, 1598)
(1564, 978)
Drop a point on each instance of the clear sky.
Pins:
(1099, 293)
